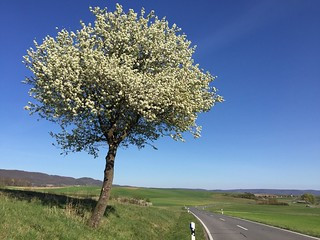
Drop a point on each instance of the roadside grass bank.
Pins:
(295, 217)
(37, 215)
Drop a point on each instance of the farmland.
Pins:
(159, 197)
(47, 209)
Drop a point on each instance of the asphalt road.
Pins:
(222, 227)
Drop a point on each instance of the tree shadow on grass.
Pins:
(60, 201)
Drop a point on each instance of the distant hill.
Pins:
(271, 191)
(23, 178)
(294, 192)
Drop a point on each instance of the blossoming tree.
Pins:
(127, 79)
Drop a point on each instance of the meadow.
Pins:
(158, 197)
(296, 217)
(62, 213)
(47, 215)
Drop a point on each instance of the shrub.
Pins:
(272, 201)
(246, 195)
(308, 198)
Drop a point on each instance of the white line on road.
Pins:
(222, 219)
(205, 227)
(242, 227)
(304, 235)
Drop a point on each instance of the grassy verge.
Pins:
(36, 215)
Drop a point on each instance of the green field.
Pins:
(62, 214)
(295, 217)
(164, 220)
(159, 197)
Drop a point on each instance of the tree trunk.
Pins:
(106, 188)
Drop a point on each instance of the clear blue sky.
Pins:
(266, 135)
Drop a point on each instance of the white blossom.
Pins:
(127, 74)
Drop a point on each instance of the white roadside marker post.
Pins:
(221, 211)
(193, 230)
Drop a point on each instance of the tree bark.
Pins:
(101, 206)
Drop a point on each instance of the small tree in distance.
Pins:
(127, 79)
(308, 197)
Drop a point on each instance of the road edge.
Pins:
(205, 227)
(283, 229)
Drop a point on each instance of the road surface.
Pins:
(222, 227)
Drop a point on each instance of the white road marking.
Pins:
(222, 219)
(285, 230)
(205, 227)
(242, 227)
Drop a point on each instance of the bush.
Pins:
(246, 195)
(136, 201)
(272, 201)
(308, 198)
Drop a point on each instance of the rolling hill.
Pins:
(37, 179)
(18, 177)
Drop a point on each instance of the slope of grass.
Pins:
(36, 215)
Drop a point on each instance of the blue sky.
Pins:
(266, 135)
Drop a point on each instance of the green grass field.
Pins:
(159, 197)
(156, 222)
(33, 215)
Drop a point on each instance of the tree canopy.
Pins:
(308, 197)
(127, 79)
